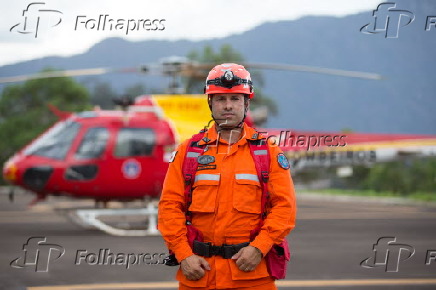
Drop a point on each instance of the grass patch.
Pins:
(417, 196)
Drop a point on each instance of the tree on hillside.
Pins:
(25, 114)
(103, 95)
(227, 54)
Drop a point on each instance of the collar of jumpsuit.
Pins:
(211, 137)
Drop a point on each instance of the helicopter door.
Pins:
(91, 147)
(135, 161)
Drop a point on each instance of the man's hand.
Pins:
(248, 258)
(193, 267)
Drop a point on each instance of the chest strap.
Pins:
(189, 168)
(259, 152)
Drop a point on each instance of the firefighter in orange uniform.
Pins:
(226, 195)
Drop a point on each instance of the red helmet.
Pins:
(229, 78)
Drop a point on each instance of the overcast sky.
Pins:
(176, 19)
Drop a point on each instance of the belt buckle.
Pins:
(208, 250)
(228, 251)
(215, 250)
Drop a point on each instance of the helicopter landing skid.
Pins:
(91, 218)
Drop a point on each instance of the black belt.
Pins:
(209, 250)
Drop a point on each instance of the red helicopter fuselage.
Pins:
(105, 155)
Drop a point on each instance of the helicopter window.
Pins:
(135, 142)
(56, 142)
(93, 144)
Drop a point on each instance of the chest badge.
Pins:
(283, 161)
(205, 159)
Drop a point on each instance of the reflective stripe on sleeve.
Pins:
(214, 177)
(247, 176)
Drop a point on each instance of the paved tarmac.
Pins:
(332, 238)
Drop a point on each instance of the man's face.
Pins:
(228, 109)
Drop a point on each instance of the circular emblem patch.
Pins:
(131, 169)
(283, 161)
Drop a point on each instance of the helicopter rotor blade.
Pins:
(79, 72)
(314, 69)
(188, 69)
(200, 70)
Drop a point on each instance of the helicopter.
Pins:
(104, 155)
(122, 155)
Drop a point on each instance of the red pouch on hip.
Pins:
(277, 260)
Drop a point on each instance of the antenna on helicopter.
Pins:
(173, 66)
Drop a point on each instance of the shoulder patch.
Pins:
(205, 159)
(172, 157)
(283, 161)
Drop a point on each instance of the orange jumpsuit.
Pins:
(226, 206)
